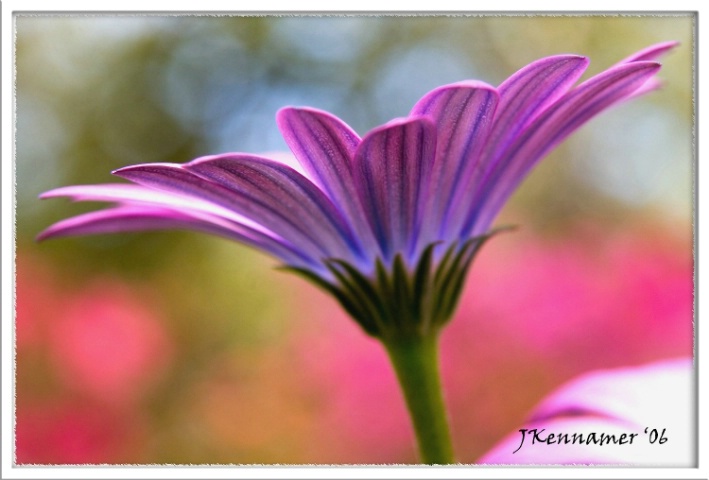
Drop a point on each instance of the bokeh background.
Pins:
(175, 347)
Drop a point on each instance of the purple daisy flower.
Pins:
(387, 223)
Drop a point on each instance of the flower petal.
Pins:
(137, 194)
(523, 97)
(595, 393)
(651, 53)
(142, 209)
(549, 129)
(622, 401)
(129, 218)
(322, 143)
(274, 209)
(283, 157)
(392, 173)
(528, 92)
(463, 114)
(275, 192)
(325, 146)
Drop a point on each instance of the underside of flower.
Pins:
(402, 300)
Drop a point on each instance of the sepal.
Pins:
(398, 299)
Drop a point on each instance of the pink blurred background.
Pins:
(100, 380)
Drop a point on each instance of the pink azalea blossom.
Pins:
(107, 343)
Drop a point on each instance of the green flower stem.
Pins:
(415, 360)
